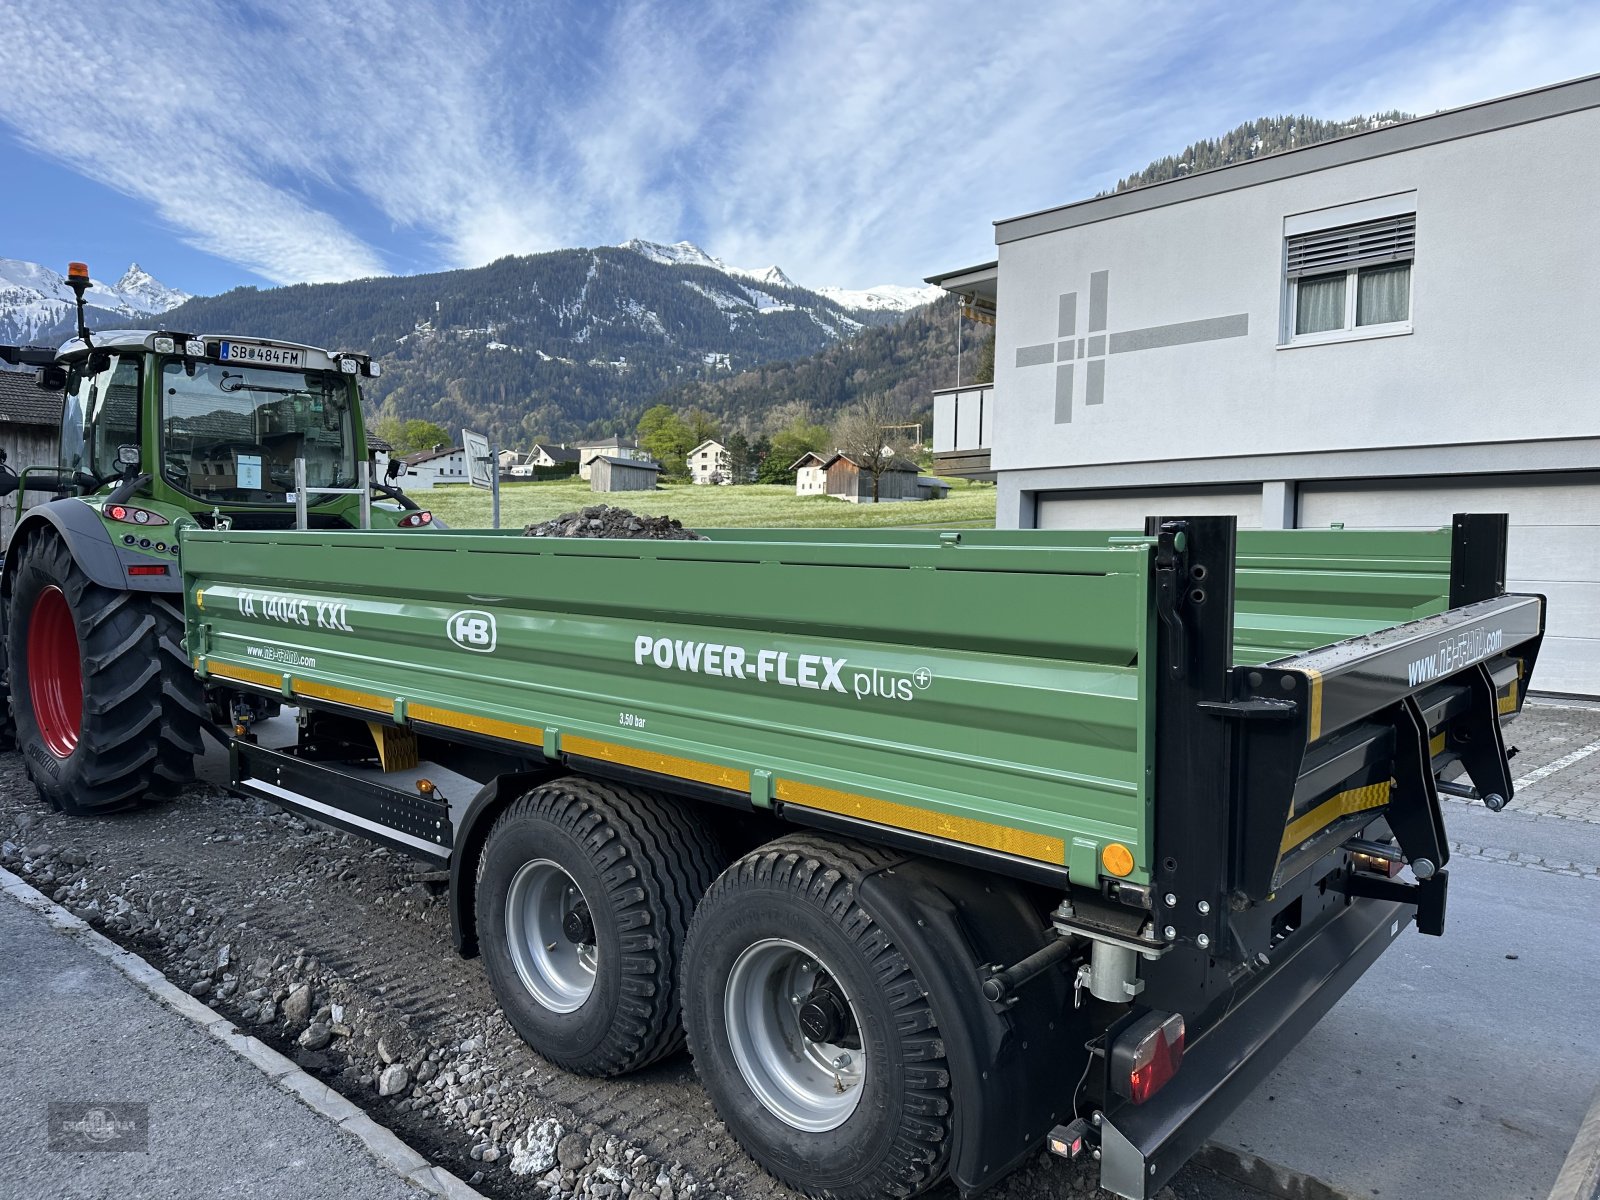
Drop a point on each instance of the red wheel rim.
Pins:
(55, 672)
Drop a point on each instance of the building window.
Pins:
(1351, 280)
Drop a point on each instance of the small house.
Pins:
(429, 468)
(608, 473)
(810, 474)
(709, 463)
(611, 447)
(550, 456)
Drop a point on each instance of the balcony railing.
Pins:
(963, 420)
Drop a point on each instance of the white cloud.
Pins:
(852, 144)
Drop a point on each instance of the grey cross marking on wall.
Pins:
(1092, 348)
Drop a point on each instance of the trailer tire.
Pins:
(106, 706)
(753, 1044)
(576, 859)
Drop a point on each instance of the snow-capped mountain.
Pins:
(888, 297)
(36, 305)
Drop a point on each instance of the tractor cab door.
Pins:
(100, 412)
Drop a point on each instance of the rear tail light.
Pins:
(152, 569)
(129, 515)
(416, 520)
(1147, 1055)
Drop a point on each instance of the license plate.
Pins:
(266, 356)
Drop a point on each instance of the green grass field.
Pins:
(969, 506)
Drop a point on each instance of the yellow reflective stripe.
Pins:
(339, 695)
(487, 726)
(1315, 678)
(650, 760)
(1508, 702)
(266, 679)
(968, 830)
(1374, 795)
(1436, 745)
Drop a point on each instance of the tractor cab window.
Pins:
(232, 433)
(100, 412)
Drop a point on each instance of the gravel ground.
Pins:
(338, 953)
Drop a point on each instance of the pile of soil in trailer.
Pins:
(603, 521)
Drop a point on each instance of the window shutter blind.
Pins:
(1392, 239)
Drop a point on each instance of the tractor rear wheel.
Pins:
(106, 708)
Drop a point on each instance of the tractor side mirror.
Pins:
(395, 469)
(51, 379)
(8, 480)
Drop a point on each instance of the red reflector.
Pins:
(154, 569)
(1147, 1055)
(118, 512)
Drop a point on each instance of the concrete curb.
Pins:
(1272, 1178)
(379, 1142)
(1580, 1174)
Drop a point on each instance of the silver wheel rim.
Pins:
(558, 971)
(809, 1085)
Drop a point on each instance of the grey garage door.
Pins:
(1554, 547)
(1126, 508)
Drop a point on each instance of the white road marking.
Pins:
(1560, 764)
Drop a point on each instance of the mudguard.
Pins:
(1012, 1071)
(96, 554)
(470, 834)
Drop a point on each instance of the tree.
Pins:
(863, 433)
(788, 444)
(741, 467)
(983, 363)
(408, 437)
(663, 433)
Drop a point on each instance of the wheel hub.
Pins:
(551, 936)
(55, 672)
(795, 1035)
(578, 925)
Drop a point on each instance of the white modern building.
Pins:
(709, 463)
(1381, 330)
(430, 468)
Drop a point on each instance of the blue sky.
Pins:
(221, 142)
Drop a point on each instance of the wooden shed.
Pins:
(30, 432)
(848, 480)
(609, 474)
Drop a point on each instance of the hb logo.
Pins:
(473, 630)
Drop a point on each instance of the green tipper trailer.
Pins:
(938, 846)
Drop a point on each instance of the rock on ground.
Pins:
(604, 521)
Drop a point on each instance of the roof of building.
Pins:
(378, 445)
(708, 442)
(1539, 104)
(822, 460)
(422, 456)
(896, 464)
(618, 442)
(640, 464)
(22, 402)
(558, 454)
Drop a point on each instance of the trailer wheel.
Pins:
(810, 1033)
(584, 896)
(107, 709)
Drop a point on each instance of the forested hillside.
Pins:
(1253, 139)
(545, 346)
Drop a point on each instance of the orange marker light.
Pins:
(77, 270)
(1117, 859)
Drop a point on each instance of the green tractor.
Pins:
(160, 431)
